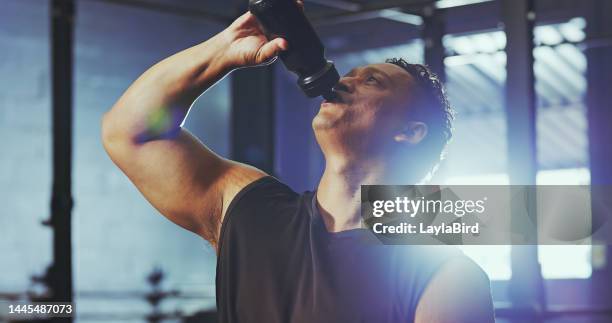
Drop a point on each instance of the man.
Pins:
(288, 257)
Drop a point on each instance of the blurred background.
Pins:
(527, 113)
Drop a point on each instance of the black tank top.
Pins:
(277, 263)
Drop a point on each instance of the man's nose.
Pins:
(345, 85)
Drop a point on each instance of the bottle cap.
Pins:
(321, 82)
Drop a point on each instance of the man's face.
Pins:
(371, 109)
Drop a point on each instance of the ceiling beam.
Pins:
(368, 9)
(171, 9)
(359, 12)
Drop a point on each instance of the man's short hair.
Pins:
(431, 107)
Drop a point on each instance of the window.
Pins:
(476, 73)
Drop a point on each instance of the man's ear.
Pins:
(413, 133)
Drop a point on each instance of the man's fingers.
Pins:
(244, 18)
(268, 51)
(282, 43)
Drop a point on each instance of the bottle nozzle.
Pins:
(329, 95)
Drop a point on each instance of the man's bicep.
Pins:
(184, 180)
(459, 292)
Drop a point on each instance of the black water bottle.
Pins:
(306, 54)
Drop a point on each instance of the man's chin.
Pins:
(322, 122)
(326, 118)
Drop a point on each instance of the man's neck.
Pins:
(338, 194)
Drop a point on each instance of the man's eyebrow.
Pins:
(351, 72)
(370, 69)
(379, 71)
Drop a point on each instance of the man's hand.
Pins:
(248, 43)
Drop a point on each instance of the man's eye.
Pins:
(372, 79)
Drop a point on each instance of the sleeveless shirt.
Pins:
(277, 263)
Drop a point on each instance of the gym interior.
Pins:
(529, 80)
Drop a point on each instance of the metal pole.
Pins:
(433, 31)
(252, 117)
(59, 277)
(599, 112)
(526, 287)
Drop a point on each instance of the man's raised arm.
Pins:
(142, 133)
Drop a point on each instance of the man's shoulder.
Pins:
(263, 185)
(459, 292)
(266, 192)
